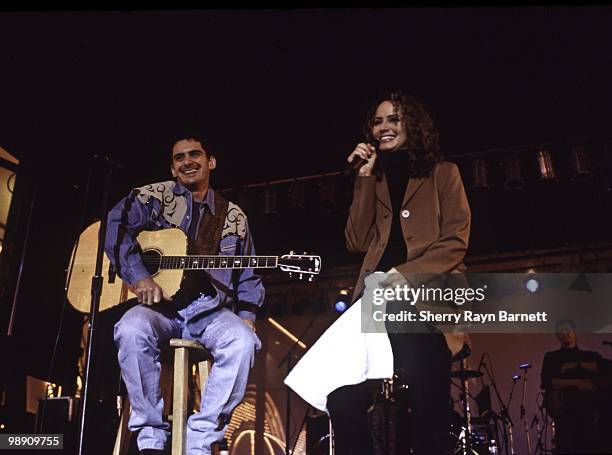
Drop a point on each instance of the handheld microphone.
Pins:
(358, 162)
(354, 166)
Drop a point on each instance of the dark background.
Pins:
(283, 93)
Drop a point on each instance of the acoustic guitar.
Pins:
(164, 254)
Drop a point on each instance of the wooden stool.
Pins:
(180, 389)
(180, 394)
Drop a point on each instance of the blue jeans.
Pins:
(232, 344)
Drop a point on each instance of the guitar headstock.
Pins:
(300, 264)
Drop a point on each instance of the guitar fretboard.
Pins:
(218, 262)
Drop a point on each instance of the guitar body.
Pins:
(167, 242)
(154, 244)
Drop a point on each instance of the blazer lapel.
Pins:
(411, 188)
(382, 192)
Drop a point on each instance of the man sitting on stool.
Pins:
(203, 310)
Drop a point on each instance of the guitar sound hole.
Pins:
(152, 261)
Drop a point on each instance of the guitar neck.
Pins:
(218, 262)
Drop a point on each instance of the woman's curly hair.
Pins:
(422, 142)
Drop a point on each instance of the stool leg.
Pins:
(123, 434)
(179, 402)
(204, 368)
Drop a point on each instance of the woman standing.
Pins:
(410, 215)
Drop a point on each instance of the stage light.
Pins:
(579, 160)
(531, 283)
(480, 174)
(545, 163)
(270, 202)
(340, 306)
(342, 301)
(287, 333)
(297, 196)
(512, 169)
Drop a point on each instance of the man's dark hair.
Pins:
(193, 136)
(422, 141)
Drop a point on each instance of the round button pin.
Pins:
(405, 213)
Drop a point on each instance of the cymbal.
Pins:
(466, 374)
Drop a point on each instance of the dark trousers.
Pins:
(422, 362)
(348, 408)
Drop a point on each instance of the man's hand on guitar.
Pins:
(149, 292)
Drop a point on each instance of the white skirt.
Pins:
(343, 355)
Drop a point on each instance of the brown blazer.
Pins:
(436, 229)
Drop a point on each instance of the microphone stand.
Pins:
(503, 414)
(506, 413)
(96, 291)
(540, 445)
(22, 259)
(523, 413)
(287, 359)
(467, 438)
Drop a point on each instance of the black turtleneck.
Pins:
(395, 166)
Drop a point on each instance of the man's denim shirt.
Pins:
(168, 204)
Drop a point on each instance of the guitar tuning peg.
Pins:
(291, 252)
(301, 275)
(290, 274)
(311, 278)
(303, 253)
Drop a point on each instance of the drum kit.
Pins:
(471, 434)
